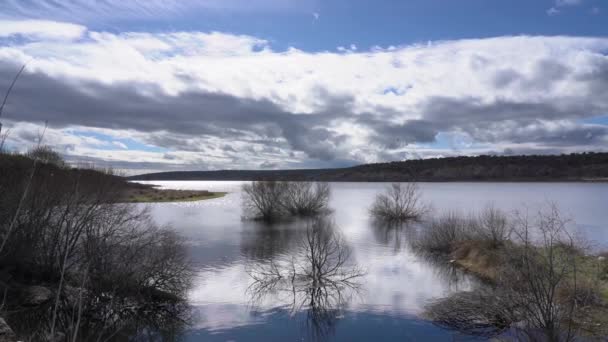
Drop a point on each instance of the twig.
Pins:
(10, 88)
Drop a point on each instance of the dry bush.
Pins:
(271, 200)
(439, 235)
(542, 285)
(400, 202)
(263, 200)
(306, 198)
(492, 226)
(490, 229)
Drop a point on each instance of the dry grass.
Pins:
(152, 195)
(480, 258)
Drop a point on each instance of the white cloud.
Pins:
(41, 29)
(393, 86)
(552, 11)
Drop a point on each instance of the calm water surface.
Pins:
(391, 294)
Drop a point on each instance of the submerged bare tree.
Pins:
(306, 198)
(400, 202)
(317, 279)
(271, 200)
(263, 200)
(539, 287)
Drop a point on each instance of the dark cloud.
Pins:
(145, 108)
(261, 127)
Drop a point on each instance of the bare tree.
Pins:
(263, 200)
(270, 200)
(306, 198)
(400, 202)
(492, 226)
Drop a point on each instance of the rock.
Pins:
(36, 295)
(6, 333)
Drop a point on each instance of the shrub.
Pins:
(306, 198)
(263, 200)
(439, 235)
(489, 230)
(492, 226)
(45, 154)
(271, 200)
(399, 203)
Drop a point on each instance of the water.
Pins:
(389, 299)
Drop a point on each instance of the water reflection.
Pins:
(262, 241)
(102, 318)
(317, 278)
(398, 283)
(394, 234)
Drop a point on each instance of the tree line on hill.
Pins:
(564, 167)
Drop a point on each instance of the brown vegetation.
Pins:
(143, 193)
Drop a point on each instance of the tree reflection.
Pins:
(395, 234)
(264, 241)
(105, 318)
(317, 278)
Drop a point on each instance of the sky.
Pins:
(168, 85)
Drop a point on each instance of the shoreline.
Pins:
(144, 193)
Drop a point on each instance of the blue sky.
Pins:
(210, 84)
(324, 25)
(394, 22)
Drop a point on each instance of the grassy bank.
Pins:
(152, 195)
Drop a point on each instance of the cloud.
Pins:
(40, 29)
(200, 100)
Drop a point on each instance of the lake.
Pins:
(387, 298)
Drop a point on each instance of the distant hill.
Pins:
(565, 167)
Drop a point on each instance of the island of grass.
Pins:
(145, 193)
